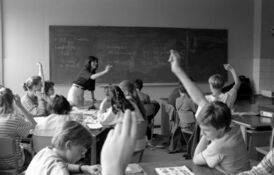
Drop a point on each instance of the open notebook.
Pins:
(180, 170)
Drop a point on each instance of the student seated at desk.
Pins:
(70, 144)
(33, 100)
(145, 99)
(265, 167)
(14, 125)
(131, 94)
(216, 83)
(222, 145)
(186, 108)
(174, 95)
(47, 86)
(119, 104)
(60, 114)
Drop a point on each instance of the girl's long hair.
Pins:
(118, 100)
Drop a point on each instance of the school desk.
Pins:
(99, 133)
(256, 131)
(149, 167)
(98, 138)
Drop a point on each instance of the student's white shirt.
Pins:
(50, 124)
(109, 118)
(228, 98)
(47, 162)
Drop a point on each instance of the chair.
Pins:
(8, 150)
(187, 130)
(40, 142)
(265, 149)
(150, 114)
(141, 140)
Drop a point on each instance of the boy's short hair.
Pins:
(71, 131)
(126, 85)
(216, 114)
(138, 84)
(60, 105)
(217, 81)
(48, 85)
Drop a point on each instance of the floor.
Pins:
(153, 154)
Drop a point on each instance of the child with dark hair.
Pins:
(131, 94)
(85, 81)
(47, 87)
(33, 101)
(222, 145)
(69, 144)
(14, 125)
(119, 104)
(145, 99)
(60, 114)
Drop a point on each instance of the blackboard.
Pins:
(136, 52)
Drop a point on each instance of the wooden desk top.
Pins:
(149, 167)
(253, 121)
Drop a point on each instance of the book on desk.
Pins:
(266, 111)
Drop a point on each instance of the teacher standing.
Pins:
(85, 81)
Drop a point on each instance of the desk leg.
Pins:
(93, 151)
(243, 130)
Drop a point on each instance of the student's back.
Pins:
(47, 162)
(60, 109)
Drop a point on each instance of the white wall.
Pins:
(26, 29)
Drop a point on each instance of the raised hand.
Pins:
(92, 169)
(17, 100)
(119, 146)
(108, 68)
(39, 64)
(228, 67)
(174, 59)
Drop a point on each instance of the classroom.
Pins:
(25, 36)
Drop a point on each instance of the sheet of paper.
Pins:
(134, 168)
(94, 125)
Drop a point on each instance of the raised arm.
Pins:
(119, 146)
(194, 92)
(229, 68)
(99, 74)
(41, 74)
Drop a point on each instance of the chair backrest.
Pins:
(186, 117)
(150, 109)
(271, 140)
(40, 142)
(8, 150)
(142, 130)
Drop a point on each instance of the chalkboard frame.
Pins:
(190, 46)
